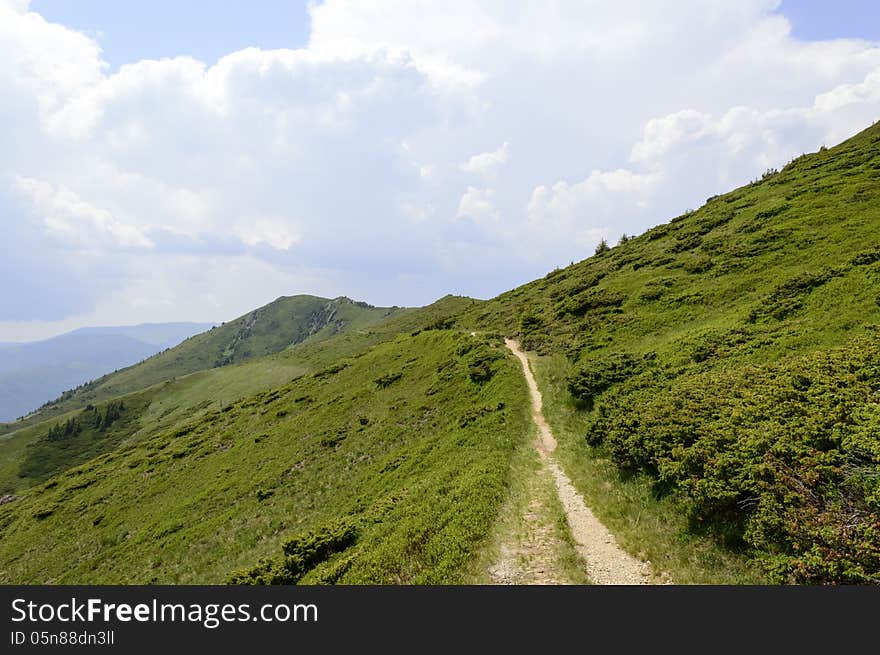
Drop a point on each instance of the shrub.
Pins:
(655, 288)
(529, 321)
(867, 257)
(481, 364)
(301, 554)
(330, 370)
(388, 379)
(697, 264)
(790, 296)
(443, 323)
(770, 212)
(782, 459)
(685, 242)
(596, 375)
(592, 299)
(601, 247)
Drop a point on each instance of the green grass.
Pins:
(184, 397)
(530, 489)
(728, 358)
(158, 408)
(651, 527)
(418, 467)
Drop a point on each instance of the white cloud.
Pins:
(587, 210)
(418, 213)
(68, 217)
(276, 233)
(49, 61)
(486, 162)
(478, 205)
(621, 115)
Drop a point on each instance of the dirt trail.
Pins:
(530, 548)
(605, 561)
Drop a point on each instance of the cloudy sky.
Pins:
(167, 161)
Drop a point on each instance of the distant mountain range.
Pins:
(34, 373)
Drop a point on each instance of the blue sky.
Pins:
(207, 29)
(204, 29)
(833, 19)
(391, 152)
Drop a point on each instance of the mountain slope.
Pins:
(396, 458)
(163, 335)
(731, 355)
(28, 456)
(269, 329)
(34, 373)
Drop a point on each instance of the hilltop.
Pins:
(269, 329)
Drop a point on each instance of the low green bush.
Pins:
(595, 375)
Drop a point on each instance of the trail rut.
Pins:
(605, 561)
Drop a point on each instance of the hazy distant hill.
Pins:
(34, 373)
(269, 329)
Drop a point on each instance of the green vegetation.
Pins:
(88, 434)
(184, 398)
(646, 522)
(531, 514)
(730, 358)
(270, 329)
(262, 485)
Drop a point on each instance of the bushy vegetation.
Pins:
(731, 355)
(596, 375)
(329, 478)
(300, 555)
(94, 430)
(782, 459)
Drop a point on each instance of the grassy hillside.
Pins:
(731, 356)
(395, 460)
(269, 329)
(165, 404)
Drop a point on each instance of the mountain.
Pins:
(203, 374)
(403, 438)
(712, 384)
(34, 373)
(163, 335)
(731, 357)
(269, 329)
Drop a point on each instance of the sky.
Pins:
(171, 161)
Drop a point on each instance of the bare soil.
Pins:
(604, 560)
